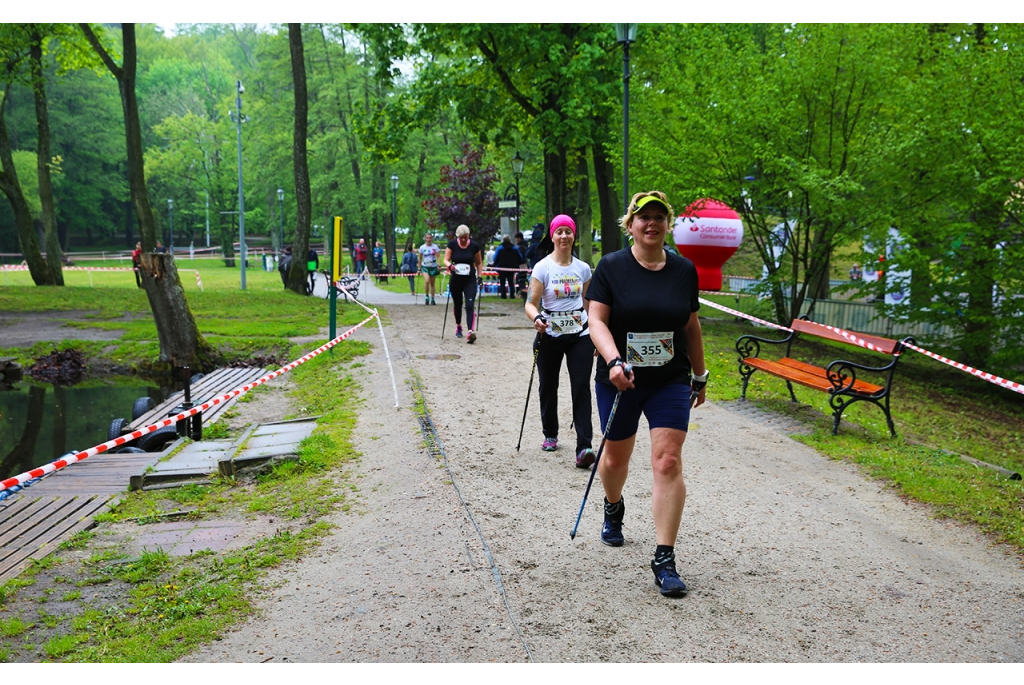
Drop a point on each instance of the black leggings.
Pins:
(578, 351)
(463, 286)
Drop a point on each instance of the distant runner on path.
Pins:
(463, 259)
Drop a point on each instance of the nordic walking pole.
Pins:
(446, 307)
(611, 416)
(529, 390)
(479, 304)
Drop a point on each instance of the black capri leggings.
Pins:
(578, 351)
(463, 287)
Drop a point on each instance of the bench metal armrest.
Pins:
(750, 345)
(842, 374)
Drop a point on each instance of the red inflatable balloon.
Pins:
(708, 233)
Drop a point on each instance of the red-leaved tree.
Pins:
(464, 196)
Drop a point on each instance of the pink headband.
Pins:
(562, 220)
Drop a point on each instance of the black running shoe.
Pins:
(667, 580)
(611, 531)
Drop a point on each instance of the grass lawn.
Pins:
(255, 322)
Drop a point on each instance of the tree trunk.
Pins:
(9, 183)
(611, 233)
(555, 190)
(180, 341)
(43, 159)
(298, 273)
(584, 215)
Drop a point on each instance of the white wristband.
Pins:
(703, 378)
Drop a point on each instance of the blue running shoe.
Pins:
(667, 580)
(549, 444)
(611, 531)
(458, 331)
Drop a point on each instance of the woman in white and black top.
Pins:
(463, 259)
(557, 307)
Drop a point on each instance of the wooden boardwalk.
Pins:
(35, 521)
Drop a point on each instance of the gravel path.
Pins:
(789, 556)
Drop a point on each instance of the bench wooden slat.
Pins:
(859, 385)
(883, 345)
(811, 380)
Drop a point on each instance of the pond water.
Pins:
(40, 423)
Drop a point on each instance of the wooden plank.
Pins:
(39, 510)
(80, 518)
(10, 515)
(30, 529)
(213, 385)
(883, 345)
(207, 385)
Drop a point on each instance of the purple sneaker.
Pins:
(585, 459)
(550, 444)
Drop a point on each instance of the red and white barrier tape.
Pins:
(489, 272)
(745, 316)
(991, 378)
(117, 442)
(853, 338)
(21, 267)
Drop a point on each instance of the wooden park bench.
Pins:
(840, 379)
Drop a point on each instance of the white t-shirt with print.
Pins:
(563, 287)
(429, 254)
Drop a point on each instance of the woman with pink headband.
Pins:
(557, 307)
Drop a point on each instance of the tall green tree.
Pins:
(181, 343)
(960, 176)
(790, 125)
(555, 82)
(14, 50)
(298, 274)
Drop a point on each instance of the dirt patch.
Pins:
(24, 329)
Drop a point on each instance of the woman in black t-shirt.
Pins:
(463, 260)
(643, 311)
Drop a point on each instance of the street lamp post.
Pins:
(239, 119)
(170, 223)
(517, 171)
(280, 215)
(625, 34)
(394, 221)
